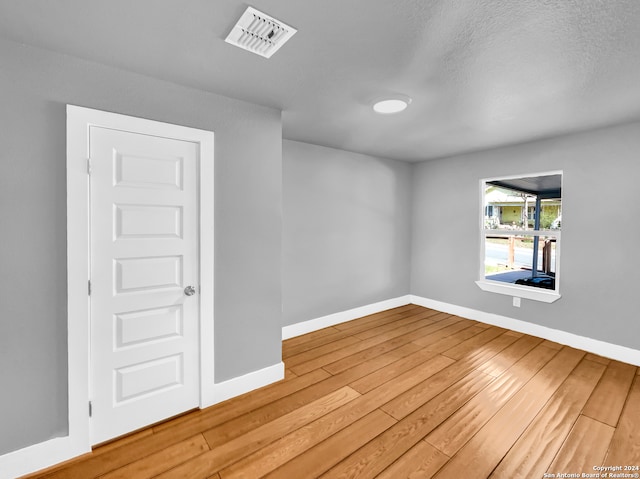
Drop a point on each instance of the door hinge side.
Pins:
(88, 166)
(89, 287)
(90, 409)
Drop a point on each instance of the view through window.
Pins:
(522, 220)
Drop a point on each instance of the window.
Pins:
(520, 237)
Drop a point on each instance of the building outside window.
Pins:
(520, 237)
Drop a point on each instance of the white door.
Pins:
(144, 280)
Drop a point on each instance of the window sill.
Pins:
(527, 292)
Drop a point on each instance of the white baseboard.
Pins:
(248, 382)
(595, 346)
(311, 325)
(39, 456)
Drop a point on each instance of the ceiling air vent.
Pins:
(259, 33)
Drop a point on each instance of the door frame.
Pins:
(79, 122)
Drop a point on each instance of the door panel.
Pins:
(144, 253)
(148, 172)
(148, 377)
(147, 274)
(136, 221)
(138, 327)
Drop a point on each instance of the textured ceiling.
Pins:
(482, 73)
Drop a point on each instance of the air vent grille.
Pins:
(259, 33)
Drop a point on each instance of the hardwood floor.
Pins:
(408, 392)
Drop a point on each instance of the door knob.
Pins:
(189, 290)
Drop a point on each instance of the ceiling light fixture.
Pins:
(391, 105)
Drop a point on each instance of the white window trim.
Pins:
(515, 290)
(511, 289)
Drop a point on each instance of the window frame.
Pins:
(512, 289)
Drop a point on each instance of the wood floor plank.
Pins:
(92, 466)
(230, 409)
(352, 349)
(369, 382)
(536, 448)
(460, 427)
(310, 354)
(432, 343)
(625, 445)
(295, 443)
(553, 345)
(344, 352)
(318, 459)
(300, 344)
(227, 452)
(161, 461)
(58, 470)
(412, 370)
(424, 318)
(392, 343)
(479, 456)
(606, 402)
(510, 355)
(421, 461)
(309, 341)
(473, 343)
(385, 449)
(409, 401)
(597, 359)
(380, 395)
(121, 441)
(351, 328)
(437, 330)
(485, 325)
(585, 447)
(356, 358)
(256, 418)
(390, 314)
(202, 467)
(515, 333)
(372, 365)
(268, 412)
(405, 403)
(184, 427)
(302, 439)
(452, 325)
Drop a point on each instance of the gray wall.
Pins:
(35, 86)
(600, 226)
(346, 234)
